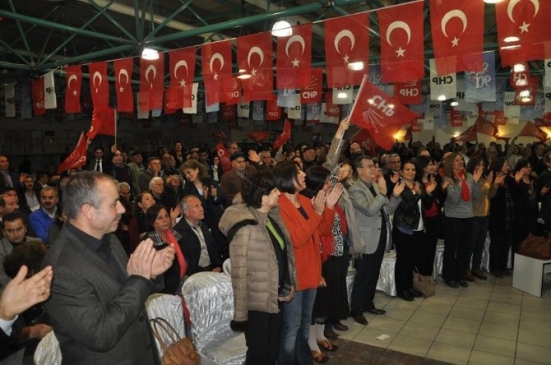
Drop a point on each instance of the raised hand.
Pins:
(478, 173)
(520, 173)
(395, 177)
(141, 259)
(431, 185)
(500, 178)
(318, 202)
(253, 156)
(381, 184)
(398, 188)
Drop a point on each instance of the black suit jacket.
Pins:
(191, 247)
(14, 179)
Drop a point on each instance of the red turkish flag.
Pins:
(402, 42)
(39, 107)
(77, 158)
(294, 58)
(182, 70)
(457, 35)
(231, 90)
(254, 57)
(273, 112)
(283, 137)
(103, 122)
(99, 85)
(228, 112)
(72, 92)
(380, 114)
(152, 74)
(217, 64)
(527, 24)
(123, 84)
(531, 130)
(312, 92)
(346, 44)
(224, 157)
(408, 92)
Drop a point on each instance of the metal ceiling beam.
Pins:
(23, 37)
(169, 19)
(102, 11)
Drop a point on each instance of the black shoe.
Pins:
(406, 295)
(464, 283)
(329, 333)
(375, 311)
(339, 326)
(452, 284)
(469, 276)
(358, 317)
(415, 293)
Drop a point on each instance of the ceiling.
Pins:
(39, 35)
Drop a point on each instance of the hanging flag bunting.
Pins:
(254, 58)
(283, 137)
(377, 112)
(141, 114)
(286, 98)
(526, 95)
(375, 77)
(152, 73)
(99, 85)
(9, 98)
(193, 108)
(402, 42)
(330, 113)
(50, 98)
(313, 112)
(296, 111)
(408, 92)
(457, 35)
(501, 86)
(341, 95)
(345, 110)
(346, 53)
(216, 65)
(167, 108)
(182, 70)
(273, 111)
(258, 110)
(533, 112)
(77, 158)
(123, 84)
(24, 98)
(456, 118)
(531, 130)
(73, 76)
(228, 112)
(38, 96)
(312, 92)
(510, 109)
(243, 110)
(547, 76)
(231, 90)
(212, 108)
(480, 85)
(294, 58)
(104, 121)
(523, 30)
(547, 107)
(441, 87)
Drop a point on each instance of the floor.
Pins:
(490, 322)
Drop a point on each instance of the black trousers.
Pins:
(368, 268)
(458, 235)
(406, 245)
(426, 251)
(500, 244)
(263, 335)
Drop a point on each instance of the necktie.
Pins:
(98, 165)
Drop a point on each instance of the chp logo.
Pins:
(378, 112)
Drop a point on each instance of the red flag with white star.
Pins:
(123, 84)
(72, 92)
(182, 70)
(346, 50)
(457, 34)
(152, 73)
(217, 65)
(99, 85)
(380, 114)
(523, 30)
(254, 57)
(294, 58)
(402, 57)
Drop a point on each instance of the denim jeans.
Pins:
(297, 316)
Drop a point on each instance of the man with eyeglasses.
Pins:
(231, 181)
(392, 176)
(372, 210)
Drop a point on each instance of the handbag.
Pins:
(181, 351)
(538, 247)
(423, 284)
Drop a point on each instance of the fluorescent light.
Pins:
(519, 67)
(442, 97)
(282, 28)
(454, 103)
(341, 95)
(356, 66)
(524, 93)
(150, 54)
(511, 39)
(511, 47)
(492, 1)
(244, 76)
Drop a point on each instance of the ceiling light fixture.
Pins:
(454, 103)
(511, 39)
(442, 97)
(282, 28)
(356, 66)
(519, 67)
(492, 1)
(150, 54)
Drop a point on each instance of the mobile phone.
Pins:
(160, 246)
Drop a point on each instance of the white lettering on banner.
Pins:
(309, 94)
(409, 92)
(288, 92)
(347, 87)
(480, 79)
(273, 114)
(381, 104)
(233, 94)
(315, 109)
(244, 106)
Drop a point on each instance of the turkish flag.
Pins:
(283, 137)
(380, 114)
(99, 85)
(523, 30)
(346, 49)
(103, 122)
(77, 158)
(273, 111)
(182, 70)
(408, 92)
(39, 107)
(312, 92)
(72, 92)
(531, 130)
(123, 84)
(224, 157)
(231, 90)
(254, 57)
(294, 58)
(457, 35)
(217, 64)
(152, 74)
(402, 42)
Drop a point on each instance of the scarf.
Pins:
(179, 255)
(465, 193)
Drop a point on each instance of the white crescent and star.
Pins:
(340, 35)
(291, 40)
(511, 6)
(216, 56)
(447, 17)
(150, 68)
(398, 24)
(181, 63)
(98, 76)
(71, 78)
(124, 73)
(259, 52)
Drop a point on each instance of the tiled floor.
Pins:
(490, 322)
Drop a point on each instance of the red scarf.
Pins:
(465, 193)
(179, 255)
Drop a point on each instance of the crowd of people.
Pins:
(290, 222)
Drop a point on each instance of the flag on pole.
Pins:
(103, 122)
(77, 158)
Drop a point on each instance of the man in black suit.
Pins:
(8, 179)
(199, 248)
(98, 295)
